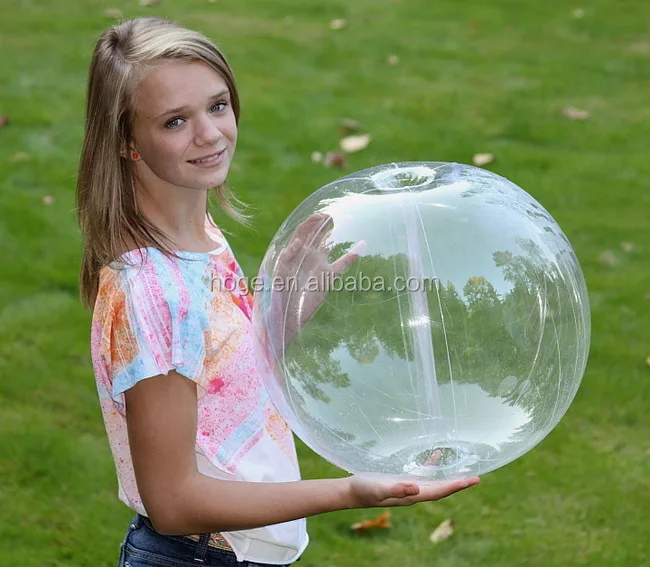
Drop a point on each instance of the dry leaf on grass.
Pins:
(316, 157)
(114, 13)
(393, 60)
(380, 522)
(608, 258)
(4, 120)
(20, 156)
(338, 24)
(573, 113)
(442, 532)
(479, 160)
(48, 199)
(335, 159)
(627, 246)
(351, 144)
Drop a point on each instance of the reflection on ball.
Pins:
(451, 344)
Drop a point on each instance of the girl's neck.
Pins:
(180, 213)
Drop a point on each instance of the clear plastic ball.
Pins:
(452, 340)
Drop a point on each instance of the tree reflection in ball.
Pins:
(453, 343)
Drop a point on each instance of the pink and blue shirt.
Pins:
(194, 316)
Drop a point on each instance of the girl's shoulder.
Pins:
(132, 280)
(148, 278)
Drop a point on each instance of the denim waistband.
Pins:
(200, 549)
(201, 546)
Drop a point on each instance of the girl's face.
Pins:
(185, 129)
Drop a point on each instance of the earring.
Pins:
(135, 156)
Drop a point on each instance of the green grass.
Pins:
(473, 77)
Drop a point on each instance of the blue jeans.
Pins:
(145, 547)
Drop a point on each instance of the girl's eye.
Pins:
(173, 123)
(176, 122)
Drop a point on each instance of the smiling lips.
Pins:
(211, 158)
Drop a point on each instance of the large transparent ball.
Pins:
(453, 342)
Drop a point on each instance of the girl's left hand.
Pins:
(306, 273)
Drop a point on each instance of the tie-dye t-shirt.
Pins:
(194, 316)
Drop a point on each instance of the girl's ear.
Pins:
(129, 153)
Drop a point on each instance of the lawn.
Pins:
(429, 80)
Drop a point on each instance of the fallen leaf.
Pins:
(316, 157)
(573, 113)
(608, 258)
(149, 2)
(479, 160)
(338, 24)
(114, 13)
(380, 522)
(578, 13)
(335, 159)
(642, 47)
(20, 156)
(351, 144)
(442, 532)
(349, 126)
(4, 120)
(627, 246)
(393, 60)
(48, 199)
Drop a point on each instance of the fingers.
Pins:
(405, 494)
(345, 261)
(289, 253)
(309, 229)
(316, 229)
(294, 248)
(441, 490)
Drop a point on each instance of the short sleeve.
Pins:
(152, 326)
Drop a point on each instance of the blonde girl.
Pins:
(202, 456)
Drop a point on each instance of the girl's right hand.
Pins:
(367, 493)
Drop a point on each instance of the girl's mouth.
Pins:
(210, 160)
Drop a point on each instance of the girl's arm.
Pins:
(179, 500)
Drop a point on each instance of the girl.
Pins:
(202, 456)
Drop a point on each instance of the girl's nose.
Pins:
(207, 132)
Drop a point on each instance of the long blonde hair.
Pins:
(105, 197)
